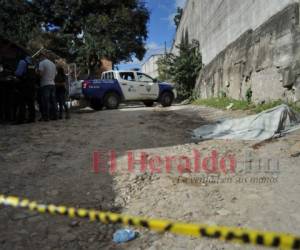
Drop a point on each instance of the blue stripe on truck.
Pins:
(97, 89)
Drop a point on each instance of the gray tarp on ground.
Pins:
(270, 123)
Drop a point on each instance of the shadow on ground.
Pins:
(51, 163)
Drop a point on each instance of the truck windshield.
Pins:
(144, 78)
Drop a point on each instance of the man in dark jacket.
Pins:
(25, 90)
(7, 86)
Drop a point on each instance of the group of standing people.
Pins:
(44, 82)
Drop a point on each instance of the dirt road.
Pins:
(52, 162)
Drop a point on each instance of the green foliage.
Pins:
(222, 103)
(77, 28)
(165, 67)
(249, 95)
(268, 105)
(223, 94)
(118, 33)
(178, 16)
(18, 22)
(183, 69)
(295, 106)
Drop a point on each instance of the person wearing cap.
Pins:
(47, 70)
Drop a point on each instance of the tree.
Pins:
(114, 29)
(184, 68)
(18, 21)
(177, 17)
(165, 67)
(81, 29)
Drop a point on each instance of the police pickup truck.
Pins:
(122, 86)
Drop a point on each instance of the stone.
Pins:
(63, 230)
(20, 216)
(35, 219)
(234, 199)
(68, 237)
(223, 212)
(294, 150)
(74, 223)
(53, 238)
(91, 240)
(54, 192)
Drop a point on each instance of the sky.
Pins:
(161, 28)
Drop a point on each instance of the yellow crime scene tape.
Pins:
(229, 234)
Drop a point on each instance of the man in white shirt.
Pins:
(48, 72)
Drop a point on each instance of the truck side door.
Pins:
(148, 87)
(129, 85)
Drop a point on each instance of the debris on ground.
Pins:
(185, 102)
(229, 106)
(259, 195)
(124, 235)
(295, 154)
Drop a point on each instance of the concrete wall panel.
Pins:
(245, 44)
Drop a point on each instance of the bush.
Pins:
(249, 95)
(222, 103)
(183, 69)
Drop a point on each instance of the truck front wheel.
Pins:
(166, 99)
(111, 101)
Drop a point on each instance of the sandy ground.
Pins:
(52, 163)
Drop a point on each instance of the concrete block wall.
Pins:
(246, 44)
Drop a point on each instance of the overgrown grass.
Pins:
(268, 105)
(295, 107)
(223, 102)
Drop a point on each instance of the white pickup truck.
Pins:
(115, 87)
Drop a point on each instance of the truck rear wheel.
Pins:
(96, 104)
(166, 99)
(112, 101)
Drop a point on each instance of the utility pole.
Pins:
(165, 47)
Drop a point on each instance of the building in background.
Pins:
(150, 66)
(252, 44)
